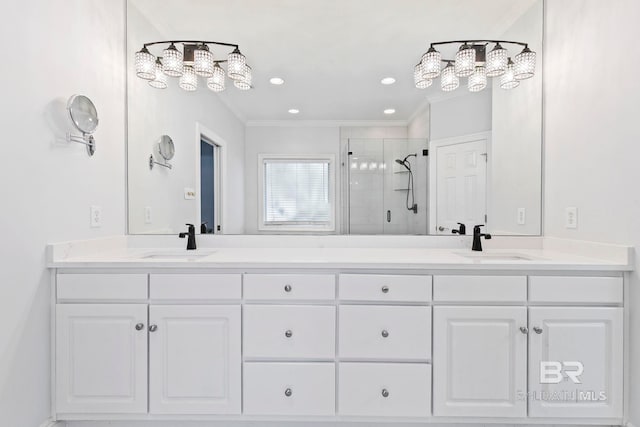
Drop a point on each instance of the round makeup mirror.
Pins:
(84, 117)
(166, 147)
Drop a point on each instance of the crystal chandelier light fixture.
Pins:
(477, 61)
(189, 60)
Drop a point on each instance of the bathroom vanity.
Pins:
(339, 334)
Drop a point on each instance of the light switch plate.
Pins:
(148, 219)
(522, 216)
(96, 216)
(571, 217)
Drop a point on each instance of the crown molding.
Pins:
(326, 123)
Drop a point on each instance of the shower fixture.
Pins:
(405, 162)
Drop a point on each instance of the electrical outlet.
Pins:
(571, 217)
(96, 216)
(147, 215)
(522, 216)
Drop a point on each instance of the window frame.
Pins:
(327, 228)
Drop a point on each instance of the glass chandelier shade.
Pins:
(525, 64)
(465, 61)
(245, 83)
(189, 79)
(508, 79)
(203, 61)
(160, 81)
(496, 61)
(172, 61)
(449, 81)
(145, 64)
(477, 80)
(419, 78)
(217, 81)
(431, 63)
(236, 65)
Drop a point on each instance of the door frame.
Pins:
(433, 173)
(220, 158)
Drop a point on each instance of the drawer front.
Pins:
(480, 288)
(195, 286)
(290, 332)
(114, 287)
(289, 388)
(385, 333)
(377, 287)
(576, 289)
(385, 389)
(289, 286)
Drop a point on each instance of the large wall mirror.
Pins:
(334, 136)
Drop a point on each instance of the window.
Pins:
(297, 193)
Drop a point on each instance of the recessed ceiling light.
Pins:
(294, 111)
(388, 81)
(390, 111)
(276, 81)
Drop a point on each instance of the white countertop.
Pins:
(337, 258)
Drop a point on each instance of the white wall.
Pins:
(174, 112)
(516, 140)
(592, 136)
(57, 48)
(462, 113)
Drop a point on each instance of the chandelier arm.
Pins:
(480, 41)
(191, 42)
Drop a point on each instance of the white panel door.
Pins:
(101, 358)
(576, 362)
(479, 361)
(194, 359)
(461, 181)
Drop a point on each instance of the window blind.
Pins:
(296, 192)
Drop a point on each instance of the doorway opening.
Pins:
(210, 185)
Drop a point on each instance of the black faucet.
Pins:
(477, 235)
(461, 231)
(191, 234)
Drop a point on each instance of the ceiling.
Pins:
(331, 53)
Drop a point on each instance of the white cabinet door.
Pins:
(194, 359)
(101, 358)
(576, 362)
(479, 361)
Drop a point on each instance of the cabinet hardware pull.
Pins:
(288, 334)
(537, 330)
(385, 289)
(524, 330)
(287, 288)
(153, 328)
(288, 392)
(385, 333)
(385, 392)
(139, 326)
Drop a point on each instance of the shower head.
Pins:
(404, 162)
(400, 162)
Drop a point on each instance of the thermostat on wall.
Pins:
(189, 193)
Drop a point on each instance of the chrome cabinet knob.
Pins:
(153, 328)
(139, 326)
(385, 289)
(524, 330)
(287, 288)
(288, 392)
(537, 330)
(384, 333)
(288, 333)
(385, 392)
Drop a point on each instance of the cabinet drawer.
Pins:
(289, 388)
(385, 389)
(480, 288)
(291, 332)
(289, 286)
(195, 286)
(385, 332)
(377, 287)
(116, 287)
(575, 289)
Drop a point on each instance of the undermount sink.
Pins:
(179, 255)
(496, 256)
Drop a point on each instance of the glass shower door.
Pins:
(366, 186)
